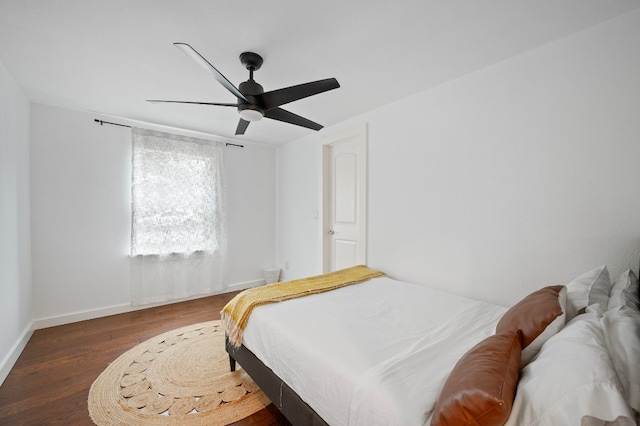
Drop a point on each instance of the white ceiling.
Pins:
(107, 57)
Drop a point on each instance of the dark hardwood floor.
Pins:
(49, 384)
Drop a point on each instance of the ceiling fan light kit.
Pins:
(251, 114)
(253, 103)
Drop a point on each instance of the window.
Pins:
(177, 194)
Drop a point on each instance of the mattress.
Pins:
(373, 353)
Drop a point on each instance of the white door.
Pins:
(345, 199)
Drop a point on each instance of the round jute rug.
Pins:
(180, 377)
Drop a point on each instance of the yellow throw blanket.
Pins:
(235, 314)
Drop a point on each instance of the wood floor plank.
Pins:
(49, 384)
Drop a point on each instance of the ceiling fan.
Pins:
(253, 102)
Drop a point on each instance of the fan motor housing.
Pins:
(249, 89)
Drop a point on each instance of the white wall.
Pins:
(80, 207)
(520, 175)
(15, 244)
(299, 187)
(251, 212)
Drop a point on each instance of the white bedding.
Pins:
(378, 356)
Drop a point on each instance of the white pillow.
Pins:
(572, 381)
(587, 289)
(625, 291)
(622, 333)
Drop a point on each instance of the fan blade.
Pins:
(155, 101)
(289, 117)
(193, 54)
(242, 126)
(275, 98)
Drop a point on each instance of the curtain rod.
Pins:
(108, 122)
(124, 125)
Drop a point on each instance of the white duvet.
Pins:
(375, 353)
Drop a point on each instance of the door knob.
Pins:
(331, 231)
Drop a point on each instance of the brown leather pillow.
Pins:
(481, 387)
(539, 316)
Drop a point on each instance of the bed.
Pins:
(388, 352)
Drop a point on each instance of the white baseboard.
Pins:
(8, 362)
(83, 315)
(244, 285)
(120, 309)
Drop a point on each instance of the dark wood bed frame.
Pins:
(282, 396)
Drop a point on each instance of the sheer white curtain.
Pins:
(178, 235)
